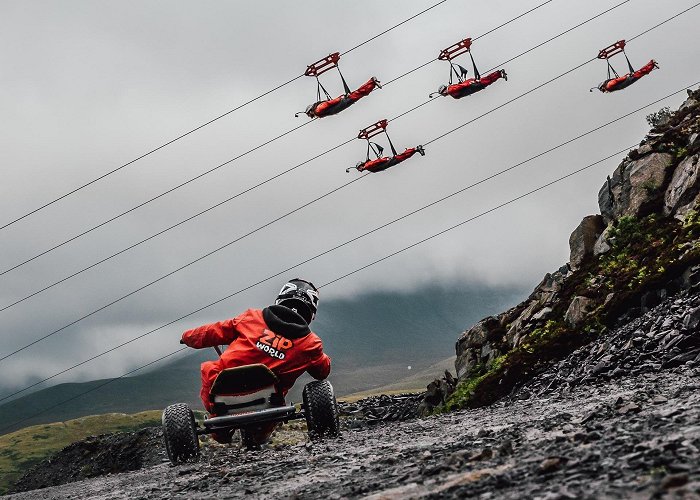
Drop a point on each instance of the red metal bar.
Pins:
(323, 65)
(454, 50)
(372, 130)
(611, 50)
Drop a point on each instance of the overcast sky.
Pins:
(89, 85)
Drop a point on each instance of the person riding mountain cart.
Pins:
(330, 106)
(465, 86)
(381, 163)
(267, 350)
(614, 81)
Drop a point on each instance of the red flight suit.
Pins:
(334, 106)
(471, 86)
(385, 162)
(625, 81)
(250, 338)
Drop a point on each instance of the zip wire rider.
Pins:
(471, 85)
(381, 163)
(616, 82)
(288, 321)
(330, 106)
(464, 86)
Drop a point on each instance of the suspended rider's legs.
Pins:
(646, 69)
(492, 77)
(364, 89)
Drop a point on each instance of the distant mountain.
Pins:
(372, 339)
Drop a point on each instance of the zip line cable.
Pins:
(221, 247)
(173, 226)
(483, 35)
(199, 127)
(396, 26)
(372, 263)
(493, 209)
(144, 286)
(376, 229)
(267, 224)
(528, 51)
(100, 386)
(563, 74)
(293, 168)
(413, 245)
(225, 298)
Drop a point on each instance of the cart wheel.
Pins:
(321, 409)
(180, 433)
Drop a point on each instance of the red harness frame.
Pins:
(455, 50)
(374, 129)
(611, 50)
(323, 65)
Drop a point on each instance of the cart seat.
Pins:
(245, 388)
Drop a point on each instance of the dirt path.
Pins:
(617, 439)
(619, 418)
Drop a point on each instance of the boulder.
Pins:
(546, 291)
(578, 310)
(437, 393)
(583, 239)
(478, 345)
(645, 149)
(610, 192)
(684, 185)
(689, 103)
(634, 186)
(644, 180)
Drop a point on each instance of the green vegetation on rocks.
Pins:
(644, 253)
(644, 245)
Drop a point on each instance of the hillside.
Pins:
(360, 335)
(640, 249)
(633, 434)
(22, 449)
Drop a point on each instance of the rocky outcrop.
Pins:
(682, 192)
(479, 345)
(438, 392)
(577, 311)
(492, 337)
(583, 239)
(635, 186)
(660, 177)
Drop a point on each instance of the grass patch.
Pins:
(24, 448)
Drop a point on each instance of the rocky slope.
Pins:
(616, 419)
(641, 248)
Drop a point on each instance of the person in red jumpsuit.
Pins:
(624, 81)
(471, 85)
(382, 163)
(334, 106)
(298, 349)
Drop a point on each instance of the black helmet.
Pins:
(300, 296)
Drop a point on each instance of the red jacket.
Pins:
(275, 336)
